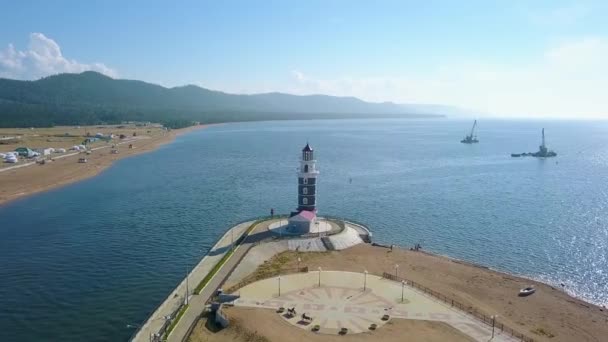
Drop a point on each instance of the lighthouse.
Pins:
(304, 218)
(307, 181)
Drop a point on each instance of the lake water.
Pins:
(81, 262)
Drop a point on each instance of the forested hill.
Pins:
(92, 98)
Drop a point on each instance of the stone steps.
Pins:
(307, 245)
(327, 243)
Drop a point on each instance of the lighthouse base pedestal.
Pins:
(318, 227)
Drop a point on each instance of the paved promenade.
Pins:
(157, 319)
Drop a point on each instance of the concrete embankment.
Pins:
(197, 303)
(157, 320)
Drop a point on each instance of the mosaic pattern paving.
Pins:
(332, 308)
(334, 301)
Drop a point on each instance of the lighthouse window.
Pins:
(305, 200)
(305, 181)
(305, 191)
(305, 168)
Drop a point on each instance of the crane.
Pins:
(471, 138)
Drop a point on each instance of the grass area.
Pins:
(213, 271)
(247, 335)
(282, 263)
(175, 321)
(222, 261)
(250, 229)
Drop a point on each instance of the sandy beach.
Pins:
(28, 180)
(548, 315)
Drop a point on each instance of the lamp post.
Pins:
(396, 269)
(299, 263)
(279, 286)
(402, 287)
(493, 324)
(319, 276)
(364, 280)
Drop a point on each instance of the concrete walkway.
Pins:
(197, 302)
(176, 298)
(354, 301)
(256, 257)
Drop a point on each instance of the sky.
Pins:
(534, 59)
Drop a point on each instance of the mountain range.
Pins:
(93, 98)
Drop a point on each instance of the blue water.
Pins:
(81, 262)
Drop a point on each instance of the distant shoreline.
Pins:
(31, 180)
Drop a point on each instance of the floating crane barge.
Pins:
(471, 138)
(543, 152)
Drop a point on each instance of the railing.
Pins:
(312, 234)
(366, 237)
(136, 331)
(338, 220)
(487, 319)
(342, 218)
(162, 332)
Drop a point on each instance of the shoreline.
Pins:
(100, 162)
(554, 286)
(582, 301)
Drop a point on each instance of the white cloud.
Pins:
(568, 80)
(43, 57)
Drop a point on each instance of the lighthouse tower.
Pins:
(307, 181)
(305, 217)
